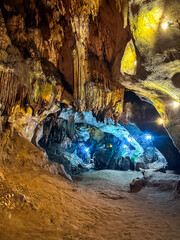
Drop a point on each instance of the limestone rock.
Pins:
(59, 170)
(86, 54)
(136, 185)
(141, 165)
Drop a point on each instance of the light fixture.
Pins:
(124, 146)
(110, 145)
(176, 104)
(87, 149)
(165, 25)
(160, 121)
(148, 136)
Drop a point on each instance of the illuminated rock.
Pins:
(129, 61)
(85, 54)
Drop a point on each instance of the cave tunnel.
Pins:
(89, 120)
(147, 118)
(81, 143)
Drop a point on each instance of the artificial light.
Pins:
(148, 137)
(165, 25)
(176, 104)
(124, 146)
(160, 121)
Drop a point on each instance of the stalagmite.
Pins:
(89, 93)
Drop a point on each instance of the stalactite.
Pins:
(8, 91)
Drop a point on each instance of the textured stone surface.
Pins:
(136, 185)
(77, 52)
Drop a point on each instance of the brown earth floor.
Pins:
(35, 205)
(48, 207)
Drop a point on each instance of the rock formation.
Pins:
(85, 55)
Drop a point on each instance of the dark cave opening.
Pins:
(81, 147)
(145, 117)
(81, 143)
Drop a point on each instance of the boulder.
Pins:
(140, 165)
(149, 154)
(125, 164)
(136, 185)
(103, 158)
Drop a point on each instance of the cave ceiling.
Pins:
(86, 54)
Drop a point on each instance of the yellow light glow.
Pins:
(145, 25)
(176, 104)
(165, 25)
(128, 61)
(160, 121)
(110, 145)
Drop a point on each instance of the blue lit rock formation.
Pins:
(84, 144)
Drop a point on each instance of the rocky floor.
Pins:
(38, 205)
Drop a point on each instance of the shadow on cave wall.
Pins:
(145, 116)
(37, 19)
(175, 80)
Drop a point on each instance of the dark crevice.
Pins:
(145, 116)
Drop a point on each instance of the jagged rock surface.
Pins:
(85, 53)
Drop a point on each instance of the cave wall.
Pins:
(54, 52)
(85, 53)
(144, 115)
(157, 52)
(80, 143)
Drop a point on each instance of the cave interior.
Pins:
(89, 104)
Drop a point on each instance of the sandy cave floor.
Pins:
(95, 206)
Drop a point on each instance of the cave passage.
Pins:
(145, 117)
(81, 144)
